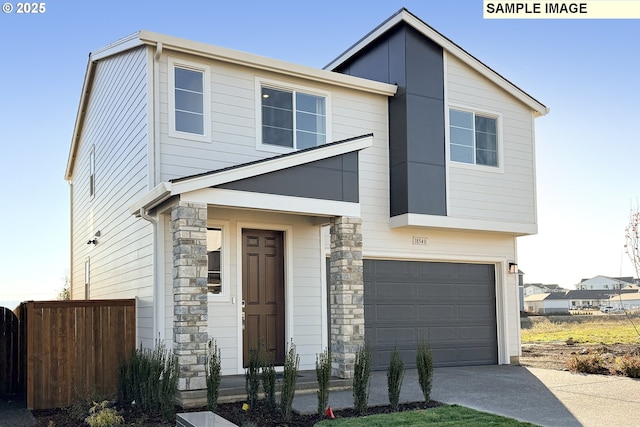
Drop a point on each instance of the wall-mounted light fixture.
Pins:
(513, 267)
(94, 241)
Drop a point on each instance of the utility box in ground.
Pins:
(202, 419)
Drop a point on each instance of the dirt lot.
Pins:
(556, 355)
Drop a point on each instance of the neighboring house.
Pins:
(546, 303)
(554, 302)
(540, 288)
(605, 283)
(628, 301)
(245, 199)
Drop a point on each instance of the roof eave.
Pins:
(267, 64)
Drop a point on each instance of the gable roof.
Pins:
(163, 42)
(403, 15)
(165, 190)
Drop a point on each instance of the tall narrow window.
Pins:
(189, 100)
(92, 172)
(293, 119)
(473, 138)
(214, 257)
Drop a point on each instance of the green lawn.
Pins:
(611, 329)
(441, 416)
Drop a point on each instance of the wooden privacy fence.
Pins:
(73, 349)
(9, 352)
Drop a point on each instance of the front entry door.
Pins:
(263, 293)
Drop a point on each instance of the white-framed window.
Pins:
(189, 100)
(92, 172)
(218, 261)
(291, 117)
(474, 138)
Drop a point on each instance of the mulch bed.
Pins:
(260, 416)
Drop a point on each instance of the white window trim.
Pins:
(225, 261)
(276, 84)
(499, 137)
(206, 70)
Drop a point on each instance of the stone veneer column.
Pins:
(189, 228)
(346, 290)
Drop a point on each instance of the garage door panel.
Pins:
(385, 289)
(450, 304)
(434, 290)
(397, 269)
(393, 336)
(477, 332)
(443, 333)
(436, 312)
(476, 355)
(393, 312)
(472, 290)
(433, 271)
(474, 311)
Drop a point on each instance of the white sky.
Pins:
(586, 71)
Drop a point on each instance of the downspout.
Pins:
(156, 114)
(158, 295)
(158, 292)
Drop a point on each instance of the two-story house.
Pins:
(249, 200)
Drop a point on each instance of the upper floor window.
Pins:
(292, 119)
(473, 138)
(189, 95)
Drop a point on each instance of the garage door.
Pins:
(452, 305)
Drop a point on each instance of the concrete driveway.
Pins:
(539, 396)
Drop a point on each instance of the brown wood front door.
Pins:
(263, 293)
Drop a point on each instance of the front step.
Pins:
(233, 387)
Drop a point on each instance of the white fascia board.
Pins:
(153, 198)
(449, 46)
(267, 64)
(447, 222)
(271, 202)
(267, 166)
(125, 43)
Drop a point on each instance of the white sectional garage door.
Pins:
(453, 305)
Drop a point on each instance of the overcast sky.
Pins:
(586, 71)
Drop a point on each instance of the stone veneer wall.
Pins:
(346, 289)
(189, 228)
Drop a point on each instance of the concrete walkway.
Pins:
(539, 396)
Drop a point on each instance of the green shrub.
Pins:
(252, 376)
(395, 375)
(586, 364)
(213, 376)
(424, 363)
(101, 415)
(361, 375)
(629, 365)
(289, 379)
(269, 381)
(150, 378)
(323, 374)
